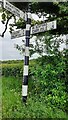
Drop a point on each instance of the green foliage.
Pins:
(4, 16)
(47, 95)
(12, 69)
(13, 107)
(20, 24)
(0, 98)
(49, 82)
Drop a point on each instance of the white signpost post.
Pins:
(35, 29)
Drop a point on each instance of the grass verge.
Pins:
(13, 106)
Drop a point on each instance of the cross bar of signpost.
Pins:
(35, 29)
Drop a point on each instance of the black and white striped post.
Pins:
(26, 59)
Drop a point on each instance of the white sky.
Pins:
(7, 46)
(7, 50)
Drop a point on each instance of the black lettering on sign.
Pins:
(35, 31)
(41, 29)
(8, 8)
(15, 12)
(12, 9)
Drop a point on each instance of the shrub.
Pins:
(12, 70)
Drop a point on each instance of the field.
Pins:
(46, 94)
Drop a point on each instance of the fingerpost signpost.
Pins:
(26, 32)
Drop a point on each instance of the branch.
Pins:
(6, 26)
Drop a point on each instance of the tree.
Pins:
(56, 10)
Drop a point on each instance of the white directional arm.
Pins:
(0, 3)
(14, 10)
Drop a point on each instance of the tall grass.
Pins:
(13, 106)
(0, 97)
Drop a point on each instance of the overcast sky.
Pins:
(7, 49)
